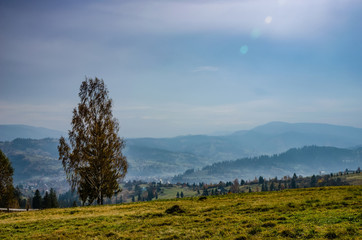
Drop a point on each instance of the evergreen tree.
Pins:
(205, 192)
(93, 162)
(272, 186)
(294, 181)
(261, 180)
(53, 199)
(150, 194)
(46, 201)
(177, 195)
(182, 195)
(6, 182)
(37, 200)
(313, 181)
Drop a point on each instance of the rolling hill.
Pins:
(304, 161)
(312, 213)
(155, 158)
(271, 138)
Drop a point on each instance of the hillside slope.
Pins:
(315, 213)
(36, 162)
(304, 161)
(155, 158)
(271, 138)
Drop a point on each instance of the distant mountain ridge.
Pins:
(11, 132)
(155, 158)
(304, 161)
(271, 138)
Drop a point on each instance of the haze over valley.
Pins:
(317, 148)
(193, 119)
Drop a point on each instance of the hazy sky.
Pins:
(183, 67)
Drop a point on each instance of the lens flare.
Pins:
(255, 33)
(268, 19)
(244, 49)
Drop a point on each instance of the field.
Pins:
(315, 213)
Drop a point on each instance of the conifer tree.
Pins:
(272, 186)
(46, 201)
(93, 162)
(294, 181)
(37, 200)
(313, 181)
(6, 182)
(261, 180)
(53, 199)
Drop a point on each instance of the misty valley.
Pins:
(273, 150)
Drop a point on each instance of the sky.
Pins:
(176, 67)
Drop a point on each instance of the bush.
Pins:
(174, 209)
(330, 235)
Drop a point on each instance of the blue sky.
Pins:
(183, 67)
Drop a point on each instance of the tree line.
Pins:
(49, 200)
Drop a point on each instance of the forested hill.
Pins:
(304, 161)
(35, 161)
(271, 138)
(155, 158)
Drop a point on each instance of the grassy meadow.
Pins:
(314, 213)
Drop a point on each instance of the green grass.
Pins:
(171, 192)
(314, 213)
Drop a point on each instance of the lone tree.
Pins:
(6, 181)
(93, 162)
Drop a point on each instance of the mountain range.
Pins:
(11, 132)
(155, 158)
(304, 161)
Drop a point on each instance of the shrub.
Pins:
(174, 209)
(330, 235)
